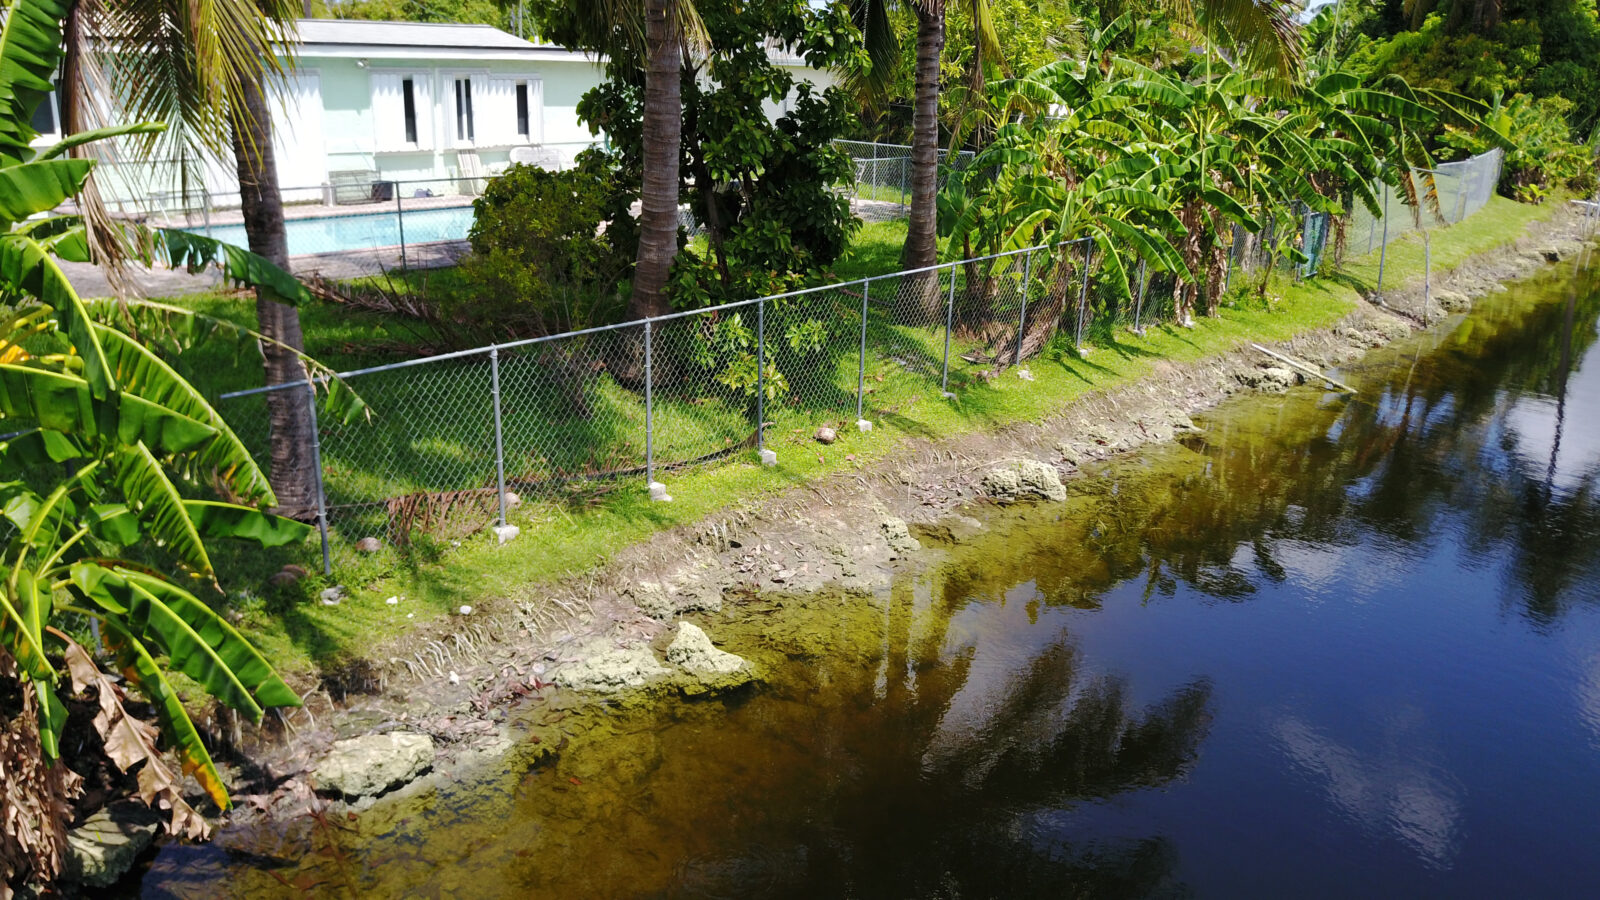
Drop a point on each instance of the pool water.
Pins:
(331, 234)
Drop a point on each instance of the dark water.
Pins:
(1332, 648)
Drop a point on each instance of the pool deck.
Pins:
(198, 219)
(90, 281)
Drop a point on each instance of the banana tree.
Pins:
(1067, 165)
(104, 479)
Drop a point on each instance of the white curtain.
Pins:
(495, 103)
(389, 111)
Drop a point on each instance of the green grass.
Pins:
(571, 527)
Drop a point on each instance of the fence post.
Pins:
(949, 322)
(649, 417)
(499, 441)
(1427, 274)
(400, 222)
(1138, 309)
(904, 160)
(1383, 249)
(1083, 292)
(761, 375)
(316, 465)
(1022, 317)
(861, 368)
(1461, 193)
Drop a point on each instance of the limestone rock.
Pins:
(1272, 379)
(898, 535)
(1452, 301)
(713, 669)
(1024, 479)
(1392, 329)
(104, 847)
(369, 765)
(369, 545)
(826, 435)
(605, 669)
(668, 601)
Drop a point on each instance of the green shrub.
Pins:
(542, 261)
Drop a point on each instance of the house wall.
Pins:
(333, 110)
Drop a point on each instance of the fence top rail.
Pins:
(636, 323)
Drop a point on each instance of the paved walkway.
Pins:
(90, 281)
(345, 264)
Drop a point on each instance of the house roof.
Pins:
(360, 37)
(408, 34)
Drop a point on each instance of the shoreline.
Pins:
(476, 689)
(842, 535)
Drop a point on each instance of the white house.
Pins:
(402, 101)
(372, 108)
(407, 101)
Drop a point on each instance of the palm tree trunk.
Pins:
(293, 475)
(922, 236)
(663, 124)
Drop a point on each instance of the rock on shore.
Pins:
(372, 764)
(607, 669)
(712, 669)
(1024, 479)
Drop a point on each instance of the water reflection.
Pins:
(1253, 664)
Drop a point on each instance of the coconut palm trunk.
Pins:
(293, 473)
(922, 236)
(663, 125)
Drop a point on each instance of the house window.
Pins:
(522, 111)
(464, 130)
(408, 98)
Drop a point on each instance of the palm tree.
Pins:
(883, 52)
(656, 34)
(204, 69)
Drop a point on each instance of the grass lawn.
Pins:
(432, 433)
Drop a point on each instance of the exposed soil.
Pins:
(462, 680)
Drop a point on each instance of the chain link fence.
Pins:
(551, 423)
(555, 422)
(883, 171)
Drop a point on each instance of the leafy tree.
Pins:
(761, 188)
(1540, 153)
(542, 259)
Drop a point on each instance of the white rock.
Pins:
(454, 678)
(606, 669)
(504, 533)
(369, 765)
(863, 425)
(465, 610)
(692, 649)
(1024, 479)
(393, 601)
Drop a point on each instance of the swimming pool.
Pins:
(329, 234)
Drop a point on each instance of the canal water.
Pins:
(1328, 647)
